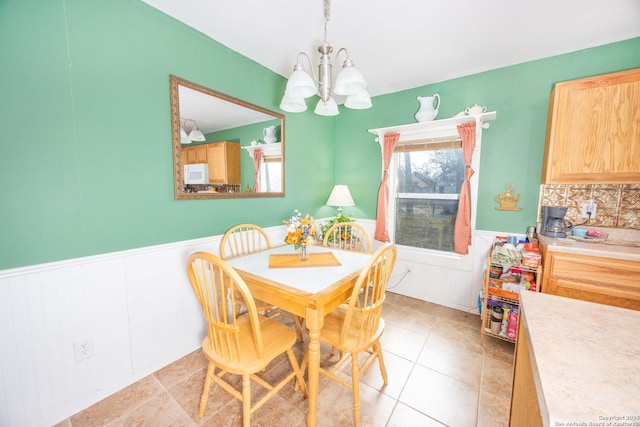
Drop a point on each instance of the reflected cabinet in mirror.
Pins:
(224, 147)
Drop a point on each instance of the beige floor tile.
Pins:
(160, 411)
(335, 405)
(404, 416)
(495, 392)
(118, 404)
(438, 372)
(276, 412)
(442, 398)
(188, 392)
(402, 342)
(398, 371)
(181, 368)
(455, 352)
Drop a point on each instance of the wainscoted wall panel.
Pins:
(138, 308)
(618, 205)
(163, 288)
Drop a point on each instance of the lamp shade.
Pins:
(350, 80)
(184, 138)
(300, 84)
(291, 104)
(358, 101)
(196, 135)
(340, 196)
(329, 108)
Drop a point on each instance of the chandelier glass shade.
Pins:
(194, 135)
(350, 82)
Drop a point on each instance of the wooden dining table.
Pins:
(305, 289)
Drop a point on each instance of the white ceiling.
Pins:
(402, 44)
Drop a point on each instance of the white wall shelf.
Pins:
(268, 150)
(433, 129)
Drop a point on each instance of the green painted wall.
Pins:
(93, 172)
(512, 148)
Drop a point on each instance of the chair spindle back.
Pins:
(366, 301)
(243, 239)
(218, 287)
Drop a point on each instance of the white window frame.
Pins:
(435, 130)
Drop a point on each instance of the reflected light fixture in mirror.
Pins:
(350, 82)
(195, 134)
(221, 118)
(340, 196)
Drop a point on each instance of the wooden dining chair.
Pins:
(244, 239)
(237, 345)
(349, 236)
(358, 326)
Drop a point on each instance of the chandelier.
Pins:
(349, 83)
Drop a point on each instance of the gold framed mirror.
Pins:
(224, 147)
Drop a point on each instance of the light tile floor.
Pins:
(439, 374)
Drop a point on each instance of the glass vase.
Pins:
(303, 253)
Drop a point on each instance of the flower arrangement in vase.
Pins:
(301, 232)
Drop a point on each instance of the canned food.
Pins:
(495, 271)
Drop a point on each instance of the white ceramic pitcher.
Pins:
(269, 134)
(428, 107)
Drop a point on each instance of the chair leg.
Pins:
(303, 366)
(246, 400)
(296, 368)
(355, 385)
(207, 387)
(383, 370)
(298, 321)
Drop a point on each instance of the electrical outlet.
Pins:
(587, 207)
(83, 349)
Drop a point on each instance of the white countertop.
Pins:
(585, 359)
(606, 250)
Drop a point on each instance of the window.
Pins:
(271, 174)
(425, 188)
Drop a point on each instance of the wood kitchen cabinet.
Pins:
(597, 279)
(593, 130)
(525, 407)
(195, 154)
(224, 162)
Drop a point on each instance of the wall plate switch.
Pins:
(587, 207)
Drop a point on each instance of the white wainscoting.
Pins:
(139, 310)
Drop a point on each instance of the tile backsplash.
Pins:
(618, 205)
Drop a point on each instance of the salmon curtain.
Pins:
(257, 161)
(382, 218)
(462, 234)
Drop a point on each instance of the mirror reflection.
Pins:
(224, 147)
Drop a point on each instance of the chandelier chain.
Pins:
(327, 16)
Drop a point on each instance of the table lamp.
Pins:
(340, 196)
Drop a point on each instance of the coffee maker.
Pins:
(553, 222)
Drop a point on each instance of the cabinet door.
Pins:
(602, 280)
(195, 154)
(217, 163)
(224, 162)
(232, 153)
(593, 130)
